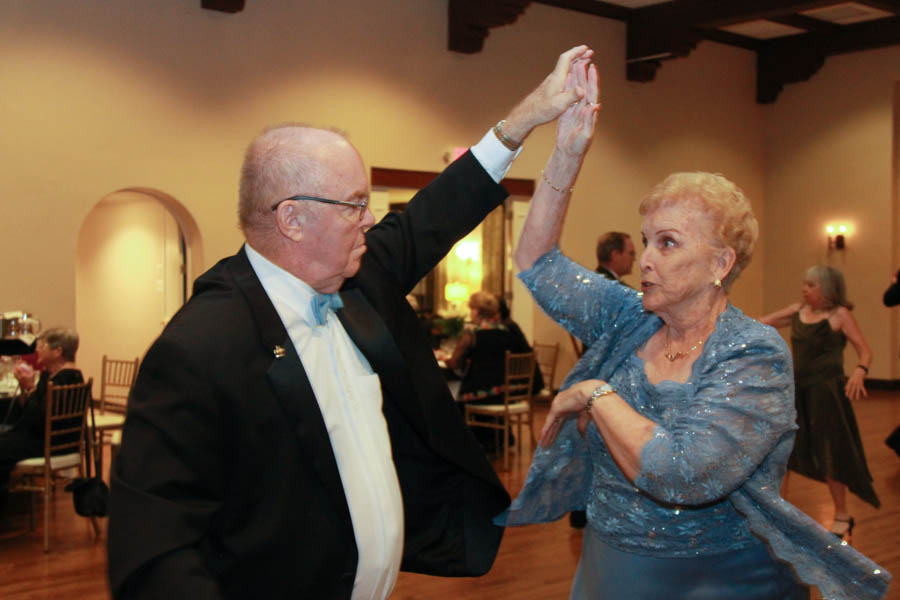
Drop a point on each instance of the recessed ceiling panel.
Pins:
(762, 30)
(847, 13)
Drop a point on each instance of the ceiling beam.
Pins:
(731, 39)
(591, 7)
(715, 13)
(785, 62)
(797, 58)
(867, 35)
(229, 6)
(888, 5)
(469, 21)
(807, 23)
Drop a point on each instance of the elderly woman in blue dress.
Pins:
(674, 429)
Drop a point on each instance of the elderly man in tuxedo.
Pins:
(290, 434)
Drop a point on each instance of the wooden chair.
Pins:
(116, 380)
(546, 355)
(577, 346)
(516, 407)
(63, 449)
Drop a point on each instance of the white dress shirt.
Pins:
(349, 396)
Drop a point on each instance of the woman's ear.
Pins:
(724, 261)
(289, 222)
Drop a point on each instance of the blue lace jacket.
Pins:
(710, 475)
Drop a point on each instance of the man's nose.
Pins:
(368, 218)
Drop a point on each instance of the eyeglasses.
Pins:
(362, 206)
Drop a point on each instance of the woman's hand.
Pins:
(575, 129)
(24, 374)
(550, 98)
(567, 404)
(855, 387)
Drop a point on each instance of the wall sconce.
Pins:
(456, 292)
(836, 239)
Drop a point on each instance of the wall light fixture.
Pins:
(836, 239)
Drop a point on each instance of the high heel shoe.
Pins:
(839, 530)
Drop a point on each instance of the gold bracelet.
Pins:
(558, 189)
(507, 141)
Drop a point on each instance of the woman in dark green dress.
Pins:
(828, 446)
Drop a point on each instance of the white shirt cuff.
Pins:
(493, 156)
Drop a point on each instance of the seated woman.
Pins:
(675, 427)
(55, 350)
(481, 351)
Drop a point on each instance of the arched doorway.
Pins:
(137, 252)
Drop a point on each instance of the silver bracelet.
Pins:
(507, 141)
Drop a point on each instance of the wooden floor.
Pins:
(535, 562)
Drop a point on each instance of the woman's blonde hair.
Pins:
(734, 225)
(485, 304)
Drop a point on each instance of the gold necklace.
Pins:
(673, 357)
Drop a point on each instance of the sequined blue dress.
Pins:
(703, 518)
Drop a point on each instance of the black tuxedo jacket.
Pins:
(607, 273)
(226, 485)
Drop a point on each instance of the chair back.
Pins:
(519, 377)
(117, 379)
(65, 418)
(546, 354)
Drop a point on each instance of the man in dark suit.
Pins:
(615, 255)
(290, 434)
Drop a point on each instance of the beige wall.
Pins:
(101, 96)
(829, 158)
(128, 277)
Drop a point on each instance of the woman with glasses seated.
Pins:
(24, 437)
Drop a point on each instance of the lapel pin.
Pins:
(279, 352)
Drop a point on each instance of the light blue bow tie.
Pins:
(321, 303)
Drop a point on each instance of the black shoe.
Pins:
(578, 519)
(842, 528)
(893, 441)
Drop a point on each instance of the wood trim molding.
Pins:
(469, 21)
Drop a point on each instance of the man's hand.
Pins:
(548, 101)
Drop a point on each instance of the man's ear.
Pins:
(289, 222)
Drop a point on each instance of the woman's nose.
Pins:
(645, 260)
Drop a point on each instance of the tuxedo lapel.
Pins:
(373, 338)
(288, 378)
(368, 331)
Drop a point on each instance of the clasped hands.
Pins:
(25, 375)
(571, 85)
